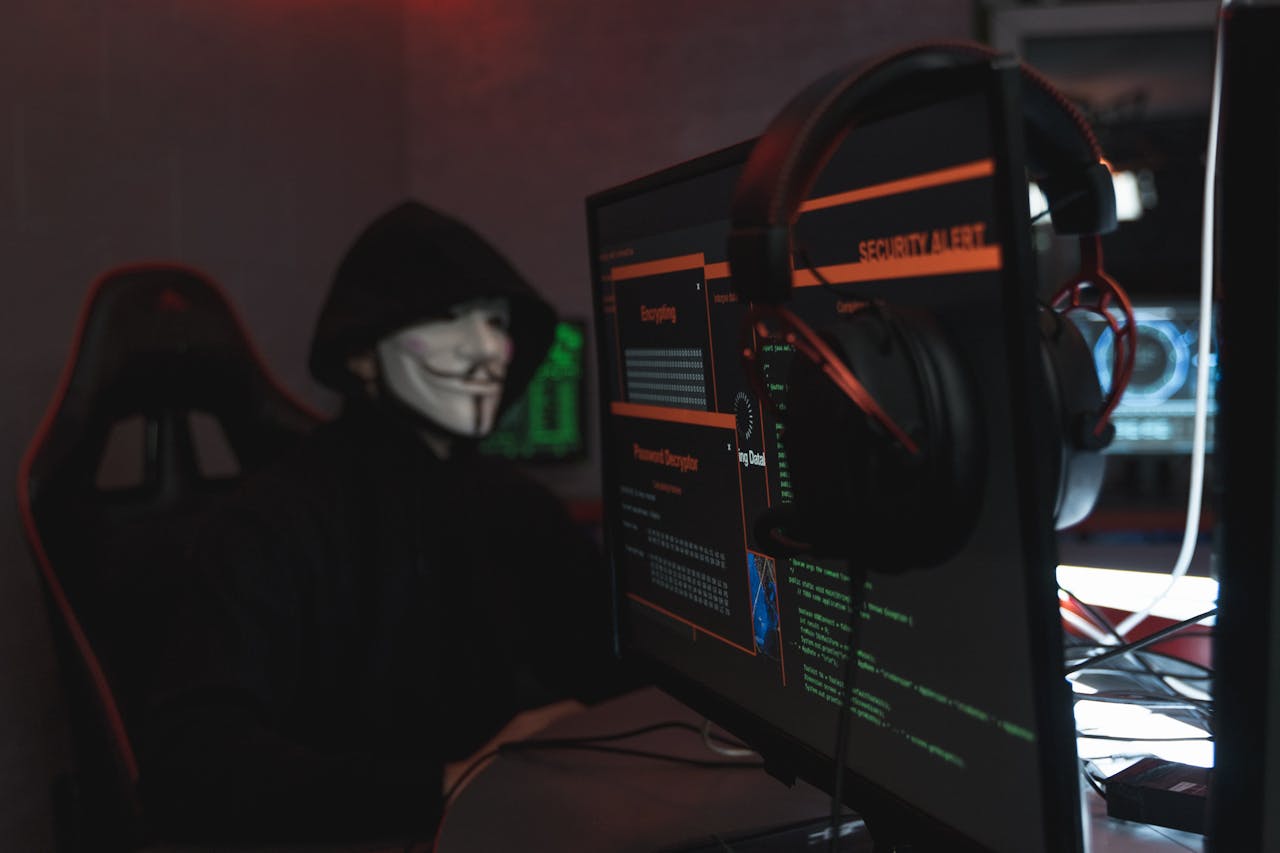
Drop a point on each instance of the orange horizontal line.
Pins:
(693, 625)
(937, 178)
(675, 416)
(985, 259)
(658, 267)
(720, 270)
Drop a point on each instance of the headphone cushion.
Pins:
(1075, 397)
(858, 492)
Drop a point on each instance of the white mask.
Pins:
(452, 370)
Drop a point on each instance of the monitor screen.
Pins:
(548, 424)
(1156, 415)
(960, 713)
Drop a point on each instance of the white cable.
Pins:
(1084, 626)
(721, 749)
(1196, 490)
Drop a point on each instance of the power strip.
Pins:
(1164, 793)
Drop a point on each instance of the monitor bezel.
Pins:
(1243, 812)
(889, 816)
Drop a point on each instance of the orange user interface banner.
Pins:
(693, 460)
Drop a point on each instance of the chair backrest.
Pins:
(157, 345)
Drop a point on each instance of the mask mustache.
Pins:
(478, 372)
(484, 371)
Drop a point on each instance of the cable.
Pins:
(623, 735)
(709, 741)
(1170, 701)
(1141, 659)
(533, 745)
(1115, 639)
(1196, 489)
(1179, 664)
(1155, 637)
(1206, 672)
(451, 794)
(1183, 662)
(589, 743)
(1067, 199)
(472, 769)
(1084, 626)
(1092, 780)
(1127, 739)
(803, 255)
(1102, 670)
(1109, 637)
(630, 733)
(857, 585)
(1206, 634)
(1150, 701)
(1089, 663)
(1088, 627)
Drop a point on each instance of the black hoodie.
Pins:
(413, 264)
(363, 612)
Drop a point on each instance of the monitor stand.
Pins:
(806, 836)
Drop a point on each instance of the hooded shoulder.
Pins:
(412, 264)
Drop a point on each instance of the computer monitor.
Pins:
(1244, 808)
(547, 426)
(1156, 415)
(961, 735)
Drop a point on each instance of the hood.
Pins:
(414, 264)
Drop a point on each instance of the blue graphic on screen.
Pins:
(764, 603)
(1156, 413)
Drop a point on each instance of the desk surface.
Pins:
(581, 801)
(557, 801)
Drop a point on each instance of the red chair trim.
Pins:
(115, 721)
(102, 687)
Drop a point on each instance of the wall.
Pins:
(254, 139)
(519, 109)
(250, 139)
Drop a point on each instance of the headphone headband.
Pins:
(1062, 151)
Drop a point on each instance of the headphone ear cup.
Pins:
(858, 493)
(1076, 401)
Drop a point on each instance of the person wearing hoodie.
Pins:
(381, 604)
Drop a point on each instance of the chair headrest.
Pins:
(160, 341)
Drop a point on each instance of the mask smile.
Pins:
(452, 371)
(480, 377)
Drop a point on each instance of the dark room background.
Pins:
(252, 139)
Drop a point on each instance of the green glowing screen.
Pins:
(547, 424)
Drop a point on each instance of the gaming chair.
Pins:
(155, 345)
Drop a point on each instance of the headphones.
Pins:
(882, 427)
